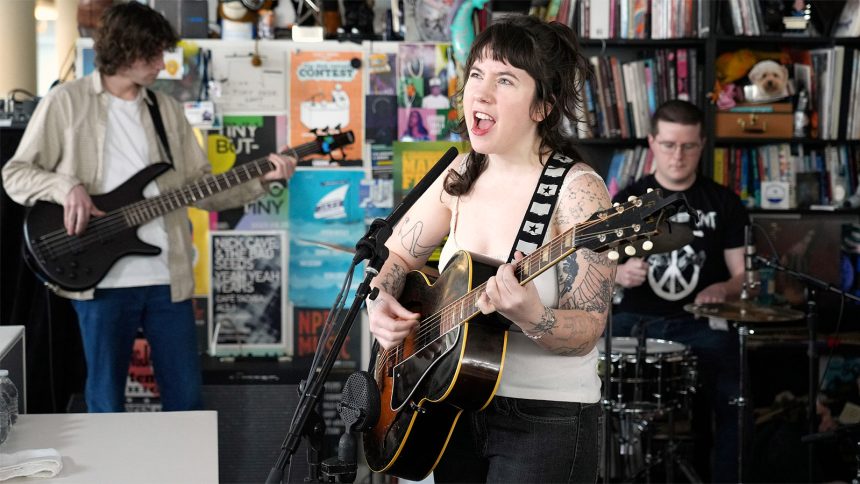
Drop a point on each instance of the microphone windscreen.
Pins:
(359, 403)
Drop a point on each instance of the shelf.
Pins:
(655, 43)
(768, 141)
(803, 211)
(620, 142)
(786, 39)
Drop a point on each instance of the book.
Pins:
(848, 24)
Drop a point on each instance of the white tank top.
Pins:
(529, 371)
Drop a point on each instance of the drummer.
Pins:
(654, 288)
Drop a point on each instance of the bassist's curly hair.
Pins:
(130, 32)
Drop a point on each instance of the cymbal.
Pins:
(745, 312)
(670, 236)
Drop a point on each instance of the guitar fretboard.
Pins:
(148, 209)
(526, 269)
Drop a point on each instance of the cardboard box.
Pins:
(773, 120)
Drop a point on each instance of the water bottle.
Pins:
(5, 422)
(9, 392)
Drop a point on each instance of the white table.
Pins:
(149, 447)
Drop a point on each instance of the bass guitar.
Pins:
(79, 262)
(453, 360)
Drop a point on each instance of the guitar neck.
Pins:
(150, 208)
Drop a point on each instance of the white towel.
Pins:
(30, 463)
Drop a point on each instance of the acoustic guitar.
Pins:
(454, 358)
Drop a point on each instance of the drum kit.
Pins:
(649, 386)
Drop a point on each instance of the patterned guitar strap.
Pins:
(537, 217)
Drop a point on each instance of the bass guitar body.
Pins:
(79, 262)
(428, 381)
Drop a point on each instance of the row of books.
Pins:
(621, 97)
(643, 19)
(821, 176)
(747, 17)
(852, 128)
(825, 176)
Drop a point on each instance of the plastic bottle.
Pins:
(5, 422)
(10, 394)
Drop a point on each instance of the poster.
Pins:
(141, 389)
(242, 87)
(309, 324)
(426, 81)
(326, 221)
(247, 300)
(326, 93)
(413, 160)
(199, 220)
(240, 140)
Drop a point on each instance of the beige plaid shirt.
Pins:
(63, 147)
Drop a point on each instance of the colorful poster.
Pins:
(243, 86)
(326, 221)
(141, 390)
(326, 93)
(427, 80)
(413, 160)
(200, 241)
(381, 122)
(382, 71)
(309, 324)
(242, 139)
(247, 300)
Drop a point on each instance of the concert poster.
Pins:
(426, 82)
(242, 139)
(413, 160)
(326, 221)
(327, 93)
(247, 300)
(199, 220)
(307, 329)
(141, 390)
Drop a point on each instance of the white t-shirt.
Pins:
(437, 101)
(126, 152)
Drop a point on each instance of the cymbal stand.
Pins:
(741, 400)
(812, 284)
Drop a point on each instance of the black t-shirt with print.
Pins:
(674, 278)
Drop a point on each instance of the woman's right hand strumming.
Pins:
(390, 322)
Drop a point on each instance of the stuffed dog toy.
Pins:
(770, 77)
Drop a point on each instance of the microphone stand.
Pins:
(372, 248)
(812, 284)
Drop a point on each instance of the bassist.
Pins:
(542, 423)
(89, 136)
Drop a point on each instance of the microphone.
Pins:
(749, 258)
(359, 410)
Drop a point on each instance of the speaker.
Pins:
(255, 401)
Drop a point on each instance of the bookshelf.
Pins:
(833, 146)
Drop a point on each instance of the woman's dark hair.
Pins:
(130, 32)
(550, 54)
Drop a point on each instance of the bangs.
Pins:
(504, 44)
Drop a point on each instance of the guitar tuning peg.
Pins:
(616, 204)
(647, 245)
(649, 190)
(630, 250)
(631, 198)
(612, 255)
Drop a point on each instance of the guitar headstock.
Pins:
(638, 218)
(329, 142)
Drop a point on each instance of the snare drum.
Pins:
(665, 378)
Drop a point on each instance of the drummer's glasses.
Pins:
(669, 147)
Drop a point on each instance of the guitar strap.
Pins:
(159, 124)
(537, 218)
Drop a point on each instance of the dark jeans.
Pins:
(109, 325)
(517, 440)
(715, 420)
